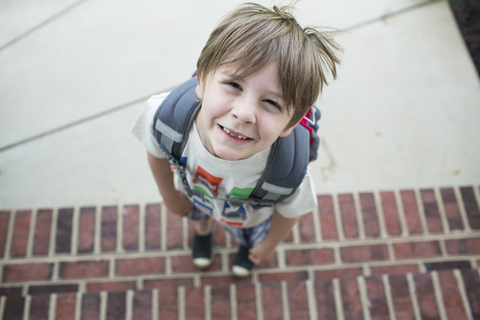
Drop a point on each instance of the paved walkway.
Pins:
(410, 254)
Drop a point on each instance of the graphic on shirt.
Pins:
(233, 215)
(240, 193)
(233, 212)
(210, 181)
(204, 204)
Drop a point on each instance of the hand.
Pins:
(179, 204)
(261, 252)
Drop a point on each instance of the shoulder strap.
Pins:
(285, 170)
(172, 123)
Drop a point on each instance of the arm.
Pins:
(279, 228)
(176, 202)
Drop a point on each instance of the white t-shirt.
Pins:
(220, 178)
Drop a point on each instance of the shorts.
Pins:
(248, 237)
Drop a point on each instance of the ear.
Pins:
(199, 89)
(287, 131)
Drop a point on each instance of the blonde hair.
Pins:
(253, 35)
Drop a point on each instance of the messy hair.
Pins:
(251, 36)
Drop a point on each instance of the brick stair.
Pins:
(409, 254)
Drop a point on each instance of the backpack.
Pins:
(287, 162)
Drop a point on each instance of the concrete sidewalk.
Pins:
(74, 75)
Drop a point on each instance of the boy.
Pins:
(258, 75)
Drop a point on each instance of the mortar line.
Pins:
(52, 308)
(391, 252)
(463, 293)
(367, 270)
(388, 297)
(233, 302)
(337, 295)
(296, 234)
(207, 299)
(421, 212)
(139, 283)
(78, 305)
(119, 240)
(285, 304)
(129, 305)
(75, 231)
(312, 302)
(142, 209)
(224, 258)
(53, 235)
(184, 233)
(381, 215)
(316, 224)
(97, 235)
(31, 234)
(401, 214)
(82, 286)
(438, 295)
(181, 303)
(476, 193)
(26, 307)
(168, 266)
(10, 230)
(281, 258)
(228, 240)
(413, 296)
(155, 304)
(442, 211)
(359, 214)
(112, 265)
(103, 305)
(2, 305)
(338, 217)
(163, 228)
(461, 208)
(259, 300)
(365, 301)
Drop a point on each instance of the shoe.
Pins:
(202, 251)
(242, 266)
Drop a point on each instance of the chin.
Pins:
(228, 155)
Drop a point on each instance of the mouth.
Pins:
(234, 135)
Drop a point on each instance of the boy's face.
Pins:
(241, 118)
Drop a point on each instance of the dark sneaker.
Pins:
(242, 266)
(202, 251)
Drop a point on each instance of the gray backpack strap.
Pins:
(285, 170)
(172, 123)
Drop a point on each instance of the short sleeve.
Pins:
(303, 201)
(143, 127)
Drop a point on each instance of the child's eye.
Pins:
(235, 85)
(273, 103)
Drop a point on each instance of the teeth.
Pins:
(233, 134)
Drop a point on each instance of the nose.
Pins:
(245, 110)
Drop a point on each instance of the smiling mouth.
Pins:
(231, 134)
